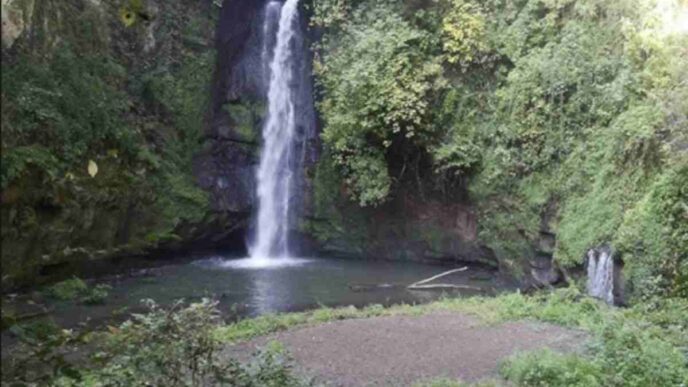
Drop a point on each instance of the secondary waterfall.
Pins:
(601, 275)
(277, 161)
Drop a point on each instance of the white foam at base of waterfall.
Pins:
(255, 263)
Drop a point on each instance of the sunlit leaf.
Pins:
(92, 168)
(127, 16)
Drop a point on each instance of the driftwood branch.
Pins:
(420, 285)
(442, 286)
(423, 284)
(438, 276)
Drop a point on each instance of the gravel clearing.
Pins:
(401, 350)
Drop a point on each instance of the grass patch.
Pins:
(565, 307)
(270, 323)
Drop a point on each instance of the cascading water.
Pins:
(270, 22)
(289, 132)
(277, 161)
(601, 275)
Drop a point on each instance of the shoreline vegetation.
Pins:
(646, 344)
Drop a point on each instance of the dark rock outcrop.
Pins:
(406, 228)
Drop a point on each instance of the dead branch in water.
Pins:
(420, 285)
(415, 284)
(442, 286)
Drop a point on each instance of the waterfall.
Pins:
(277, 162)
(601, 275)
(270, 22)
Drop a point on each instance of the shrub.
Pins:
(96, 295)
(166, 347)
(41, 356)
(634, 356)
(68, 290)
(173, 346)
(551, 369)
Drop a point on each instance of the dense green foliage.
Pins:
(548, 368)
(173, 346)
(567, 117)
(67, 290)
(91, 91)
(75, 289)
(386, 65)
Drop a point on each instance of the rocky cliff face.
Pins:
(122, 86)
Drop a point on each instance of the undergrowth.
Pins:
(644, 345)
(172, 346)
(75, 289)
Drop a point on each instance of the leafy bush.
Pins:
(16, 162)
(96, 295)
(76, 289)
(269, 368)
(163, 347)
(42, 354)
(68, 290)
(551, 369)
(624, 354)
(464, 29)
(635, 356)
(171, 347)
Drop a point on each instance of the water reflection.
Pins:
(268, 293)
(300, 285)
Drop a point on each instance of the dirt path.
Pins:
(400, 350)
